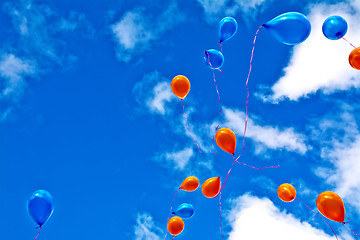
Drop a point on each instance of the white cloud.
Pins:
(146, 228)
(258, 218)
(180, 158)
(320, 64)
(268, 137)
(12, 72)
(135, 31)
(154, 92)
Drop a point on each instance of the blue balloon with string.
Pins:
(185, 210)
(290, 28)
(227, 28)
(40, 206)
(214, 58)
(334, 27)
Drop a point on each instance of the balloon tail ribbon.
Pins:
(349, 42)
(217, 91)
(187, 126)
(221, 228)
(220, 45)
(38, 232)
(349, 228)
(171, 208)
(319, 216)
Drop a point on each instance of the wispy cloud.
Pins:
(265, 136)
(258, 218)
(136, 31)
(146, 228)
(320, 64)
(179, 158)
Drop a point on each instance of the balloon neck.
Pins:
(38, 227)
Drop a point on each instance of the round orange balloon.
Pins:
(354, 58)
(211, 187)
(226, 140)
(190, 184)
(331, 206)
(175, 225)
(286, 192)
(180, 86)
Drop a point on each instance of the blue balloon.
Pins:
(334, 27)
(40, 206)
(227, 28)
(289, 28)
(185, 210)
(214, 58)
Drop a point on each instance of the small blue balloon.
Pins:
(214, 58)
(289, 28)
(227, 28)
(334, 27)
(185, 210)
(40, 206)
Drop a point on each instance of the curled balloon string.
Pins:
(38, 232)
(349, 228)
(172, 204)
(187, 126)
(319, 216)
(221, 228)
(217, 91)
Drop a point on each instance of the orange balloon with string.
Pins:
(331, 206)
(211, 187)
(286, 192)
(226, 140)
(175, 225)
(354, 58)
(190, 184)
(180, 86)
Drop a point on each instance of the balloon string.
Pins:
(349, 228)
(220, 46)
(38, 232)
(187, 126)
(221, 228)
(171, 209)
(217, 91)
(319, 216)
(349, 42)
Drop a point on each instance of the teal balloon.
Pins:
(40, 206)
(227, 28)
(185, 210)
(289, 28)
(214, 58)
(334, 27)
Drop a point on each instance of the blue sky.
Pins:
(87, 113)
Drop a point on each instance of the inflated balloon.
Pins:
(331, 206)
(175, 225)
(354, 58)
(180, 86)
(214, 58)
(289, 28)
(185, 210)
(286, 192)
(334, 27)
(227, 28)
(190, 184)
(211, 187)
(226, 140)
(40, 206)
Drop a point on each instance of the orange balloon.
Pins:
(354, 58)
(286, 192)
(331, 206)
(190, 184)
(211, 187)
(226, 140)
(180, 86)
(175, 225)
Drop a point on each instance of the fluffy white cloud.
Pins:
(180, 158)
(320, 64)
(146, 228)
(268, 137)
(258, 218)
(135, 31)
(12, 72)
